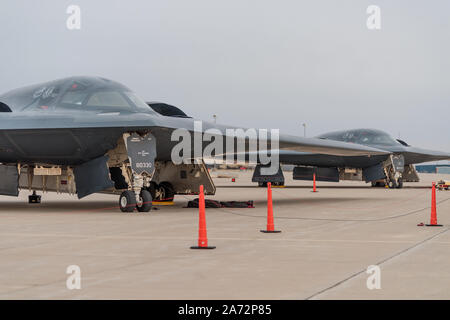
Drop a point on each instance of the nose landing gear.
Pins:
(128, 201)
(138, 171)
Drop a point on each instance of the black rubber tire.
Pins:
(146, 199)
(34, 199)
(127, 201)
(169, 192)
(399, 183)
(262, 184)
(378, 184)
(392, 184)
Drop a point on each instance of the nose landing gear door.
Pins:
(141, 153)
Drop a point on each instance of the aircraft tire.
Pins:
(146, 201)
(399, 183)
(127, 201)
(34, 198)
(169, 192)
(392, 184)
(377, 184)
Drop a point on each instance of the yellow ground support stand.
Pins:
(163, 203)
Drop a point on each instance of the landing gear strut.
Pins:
(34, 198)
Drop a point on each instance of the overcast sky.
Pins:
(268, 64)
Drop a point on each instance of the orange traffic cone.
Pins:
(433, 218)
(270, 225)
(314, 183)
(202, 235)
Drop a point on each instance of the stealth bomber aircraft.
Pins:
(390, 169)
(82, 135)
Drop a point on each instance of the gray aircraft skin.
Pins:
(74, 121)
(369, 137)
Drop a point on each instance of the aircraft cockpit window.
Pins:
(4, 107)
(74, 97)
(364, 137)
(384, 140)
(138, 102)
(107, 99)
(365, 140)
(43, 97)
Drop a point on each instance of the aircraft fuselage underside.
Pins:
(69, 146)
(108, 161)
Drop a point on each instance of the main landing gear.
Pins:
(163, 192)
(34, 198)
(128, 201)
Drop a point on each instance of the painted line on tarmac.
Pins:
(418, 244)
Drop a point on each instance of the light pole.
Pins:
(215, 119)
(304, 129)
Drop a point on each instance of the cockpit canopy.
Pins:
(75, 93)
(368, 137)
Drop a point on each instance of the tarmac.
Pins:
(328, 241)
